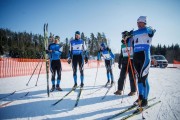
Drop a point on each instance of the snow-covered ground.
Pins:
(164, 83)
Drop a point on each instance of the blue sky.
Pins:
(91, 16)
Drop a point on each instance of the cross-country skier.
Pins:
(123, 61)
(55, 51)
(78, 54)
(141, 58)
(107, 54)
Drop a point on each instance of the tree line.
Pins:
(29, 45)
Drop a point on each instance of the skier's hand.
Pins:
(69, 60)
(131, 33)
(151, 31)
(47, 51)
(86, 60)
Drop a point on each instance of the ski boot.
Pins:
(82, 85)
(131, 93)
(139, 100)
(118, 92)
(58, 88)
(75, 85)
(142, 106)
(112, 83)
(144, 103)
(138, 110)
(53, 88)
(107, 83)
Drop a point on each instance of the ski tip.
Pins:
(14, 92)
(53, 104)
(26, 94)
(11, 93)
(47, 27)
(75, 105)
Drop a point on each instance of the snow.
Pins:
(164, 85)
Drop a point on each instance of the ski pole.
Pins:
(39, 74)
(125, 78)
(96, 74)
(33, 72)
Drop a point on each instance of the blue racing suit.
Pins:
(141, 58)
(109, 57)
(78, 53)
(55, 63)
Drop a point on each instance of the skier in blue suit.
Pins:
(107, 54)
(78, 54)
(55, 51)
(142, 60)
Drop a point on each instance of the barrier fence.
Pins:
(176, 63)
(12, 67)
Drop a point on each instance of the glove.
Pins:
(47, 51)
(151, 31)
(86, 60)
(131, 33)
(69, 60)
